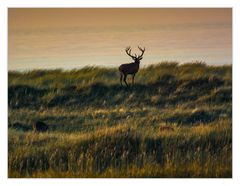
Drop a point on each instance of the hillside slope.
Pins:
(174, 122)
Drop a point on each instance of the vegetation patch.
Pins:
(175, 121)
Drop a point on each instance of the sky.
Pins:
(46, 38)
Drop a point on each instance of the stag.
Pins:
(130, 68)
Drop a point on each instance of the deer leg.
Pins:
(133, 78)
(125, 77)
(121, 77)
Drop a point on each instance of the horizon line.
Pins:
(114, 66)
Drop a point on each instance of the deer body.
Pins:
(130, 68)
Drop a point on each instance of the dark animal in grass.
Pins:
(40, 126)
(130, 68)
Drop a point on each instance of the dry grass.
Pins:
(175, 122)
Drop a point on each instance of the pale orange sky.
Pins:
(68, 38)
(35, 18)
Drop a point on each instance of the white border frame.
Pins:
(5, 4)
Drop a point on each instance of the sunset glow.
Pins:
(73, 38)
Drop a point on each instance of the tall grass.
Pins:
(98, 128)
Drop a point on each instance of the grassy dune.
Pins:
(176, 121)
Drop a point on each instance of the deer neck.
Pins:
(137, 62)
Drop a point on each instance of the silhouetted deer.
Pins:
(130, 68)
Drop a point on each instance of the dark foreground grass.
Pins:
(174, 122)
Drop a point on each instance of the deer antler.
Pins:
(142, 50)
(128, 51)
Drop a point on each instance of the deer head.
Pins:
(136, 58)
